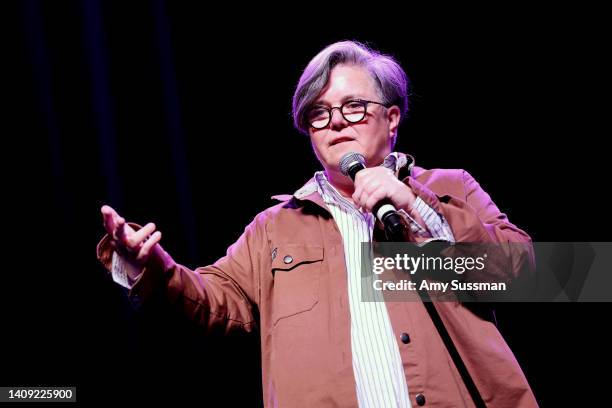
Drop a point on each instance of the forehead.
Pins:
(345, 82)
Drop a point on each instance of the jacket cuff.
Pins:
(424, 193)
(159, 266)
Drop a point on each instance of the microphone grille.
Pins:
(348, 159)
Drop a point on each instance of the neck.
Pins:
(342, 183)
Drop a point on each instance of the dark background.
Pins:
(174, 114)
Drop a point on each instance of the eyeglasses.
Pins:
(352, 111)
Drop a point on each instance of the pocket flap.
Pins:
(288, 256)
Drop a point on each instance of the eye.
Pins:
(317, 113)
(353, 106)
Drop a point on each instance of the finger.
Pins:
(119, 232)
(373, 172)
(108, 218)
(375, 197)
(137, 237)
(357, 194)
(147, 247)
(363, 196)
(362, 190)
(362, 176)
(109, 224)
(107, 209)
(368, 189)
(109, 212)
(368, 181)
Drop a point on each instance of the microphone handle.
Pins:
(387, 214)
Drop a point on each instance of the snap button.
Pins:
(288, 259)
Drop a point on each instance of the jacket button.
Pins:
(288, 259)
(420, 400)
(405, 338)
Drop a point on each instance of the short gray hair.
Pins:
(391, 80)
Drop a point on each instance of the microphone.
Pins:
(350, 164)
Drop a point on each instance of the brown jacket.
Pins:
(302, 313)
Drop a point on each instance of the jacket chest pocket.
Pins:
(296, 270)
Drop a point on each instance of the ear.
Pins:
(394, 115)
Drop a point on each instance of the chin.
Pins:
(336, 152)
(341, 149)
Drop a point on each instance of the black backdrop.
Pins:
(151, 107)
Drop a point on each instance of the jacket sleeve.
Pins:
(474, 218)
(222, 296)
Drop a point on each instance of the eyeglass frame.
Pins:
(330, 111)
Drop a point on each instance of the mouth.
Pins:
(341, 139)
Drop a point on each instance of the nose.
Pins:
(337, 121)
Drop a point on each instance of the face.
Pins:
(372, 137)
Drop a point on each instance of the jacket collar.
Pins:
(308, 192)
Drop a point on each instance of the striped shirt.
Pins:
(379, 373)
(377, 365)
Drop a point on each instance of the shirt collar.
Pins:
(395, 161)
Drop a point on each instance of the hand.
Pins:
(376, 183)
(137, 246)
